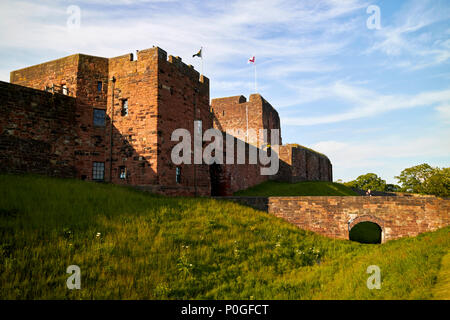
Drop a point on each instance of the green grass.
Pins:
(442, 290)
(154, 247)
(307, 188)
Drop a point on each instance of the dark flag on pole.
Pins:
(198, 54)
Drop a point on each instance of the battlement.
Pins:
(160, 56)
(227, 101)
(300, 147)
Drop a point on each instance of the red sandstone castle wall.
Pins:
(163, 94)
(135, 142)
(298, 163)
(80, 73)
(335, 216)
(397, 216)
(231, 113)
(229, 178)
(36, 132)
(58, 72)
(91, 139)
(183, 96)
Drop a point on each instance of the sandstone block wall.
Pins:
(80, 74)
(36, 132)
(183, 97)
(298, 163)
(335, 216)
(162, 94)
(233, 114)
(229, 178)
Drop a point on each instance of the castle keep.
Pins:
(111, 119)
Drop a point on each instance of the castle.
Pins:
(111, 119)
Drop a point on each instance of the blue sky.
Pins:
(373, 100)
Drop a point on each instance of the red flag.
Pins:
(251, 59)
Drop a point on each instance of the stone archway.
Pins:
(366, 229)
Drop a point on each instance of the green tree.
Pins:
(368, 181)
(438, 184)
(412, 179)
(392, 188)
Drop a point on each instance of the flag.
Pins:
(251, 59)
(198, 54)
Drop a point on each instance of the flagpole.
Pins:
(256, 89)
(201, 48)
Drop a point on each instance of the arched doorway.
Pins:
(366, 232)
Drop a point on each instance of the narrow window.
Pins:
(122, 172)
(99, 86)
(124, 107)
(64, 89)
(98, 171)
(99, 117)
(223, 113)
(178, 175)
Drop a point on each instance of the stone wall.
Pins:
(335, 216)
(36, 132)
(183, 99)
(80, 74)
(228, 178)
(233, 114)
(163, 94)
(298, 163)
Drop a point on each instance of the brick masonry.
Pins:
(36, 132)
(334, 216)
(162, 94)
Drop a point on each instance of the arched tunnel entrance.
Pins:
(366, 232)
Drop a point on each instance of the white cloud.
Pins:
(228, 30)
(382, 155)
(406, 41)
(365, 103)
(444, 113)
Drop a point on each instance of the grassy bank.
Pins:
(131, 245)
(307, 188)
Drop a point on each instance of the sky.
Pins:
(365, 82)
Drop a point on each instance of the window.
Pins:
(64, 89)
(98, 171)
(178, 175)
(122, 172)
(99, 86)
(99, 117)
(124, 107)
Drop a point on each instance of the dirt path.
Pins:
(442, 289)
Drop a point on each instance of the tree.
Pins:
(368, 181)
(426, 180)
(412, 179)
(439, 183)
(392, 188)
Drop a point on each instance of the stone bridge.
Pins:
(335, 216)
